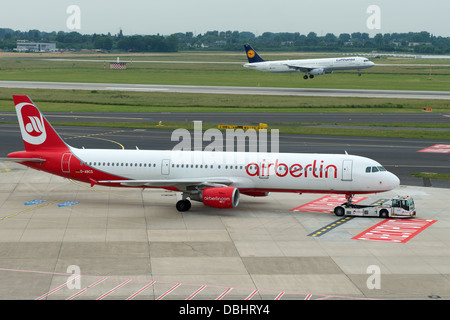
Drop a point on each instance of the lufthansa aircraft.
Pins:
(215, 178)
(311, 67)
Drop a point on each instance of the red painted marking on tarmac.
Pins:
(392, 230)
(278, 297)
(113, 289)
(196, 292)
(87, 288)
(437, 148)
(141, 290)
(325, 204)
(251, 294)
(224, 294)
(168, 291)
(308, 297)
(57, 288)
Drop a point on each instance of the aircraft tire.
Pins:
(183, 205)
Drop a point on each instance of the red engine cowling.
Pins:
(222, 198)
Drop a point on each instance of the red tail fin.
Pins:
(37, 133)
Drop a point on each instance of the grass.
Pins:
(113, 101)
(231, 74)
(430, 175)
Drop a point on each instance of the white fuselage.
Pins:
(327, 65)
(283, 172)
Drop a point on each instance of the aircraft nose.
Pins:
(394, 181)
(371, 63)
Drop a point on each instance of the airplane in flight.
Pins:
(311, 67)
(216, 184)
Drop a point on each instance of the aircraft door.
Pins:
(347, 170)
(65, 162)
(165, 166)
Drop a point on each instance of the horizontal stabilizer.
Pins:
(23, 159)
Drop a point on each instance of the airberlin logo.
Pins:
(34, 127)
(216, 198)
(316, 169)
(31, 124)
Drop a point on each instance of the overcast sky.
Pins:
(170, 16)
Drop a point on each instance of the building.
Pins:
(27, 46)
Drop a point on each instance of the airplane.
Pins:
(311, 67)
(216, 183)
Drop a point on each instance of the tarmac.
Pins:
(60, 239)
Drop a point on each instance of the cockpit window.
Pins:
(375, 169)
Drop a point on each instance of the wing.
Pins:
(181, 184)
(300, 68)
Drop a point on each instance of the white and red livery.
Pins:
(215, 178)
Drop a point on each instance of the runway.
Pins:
(361, 93)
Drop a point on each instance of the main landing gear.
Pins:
(306, 76)
(183, 205)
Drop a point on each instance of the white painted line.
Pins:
(278, 297)
(168, 291)
(87, 288)
(224, 294)
(196, 292)
(141, 290)
(113, 289)
(251, 294)
(57, 288)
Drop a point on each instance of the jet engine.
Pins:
(220, 197)
(317, 72)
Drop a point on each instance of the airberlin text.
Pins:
(226, 309)
(316, 169)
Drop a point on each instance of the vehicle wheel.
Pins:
(183, 205)
(339, 211)
(384, 213)
(311, 76)
(305, 77)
